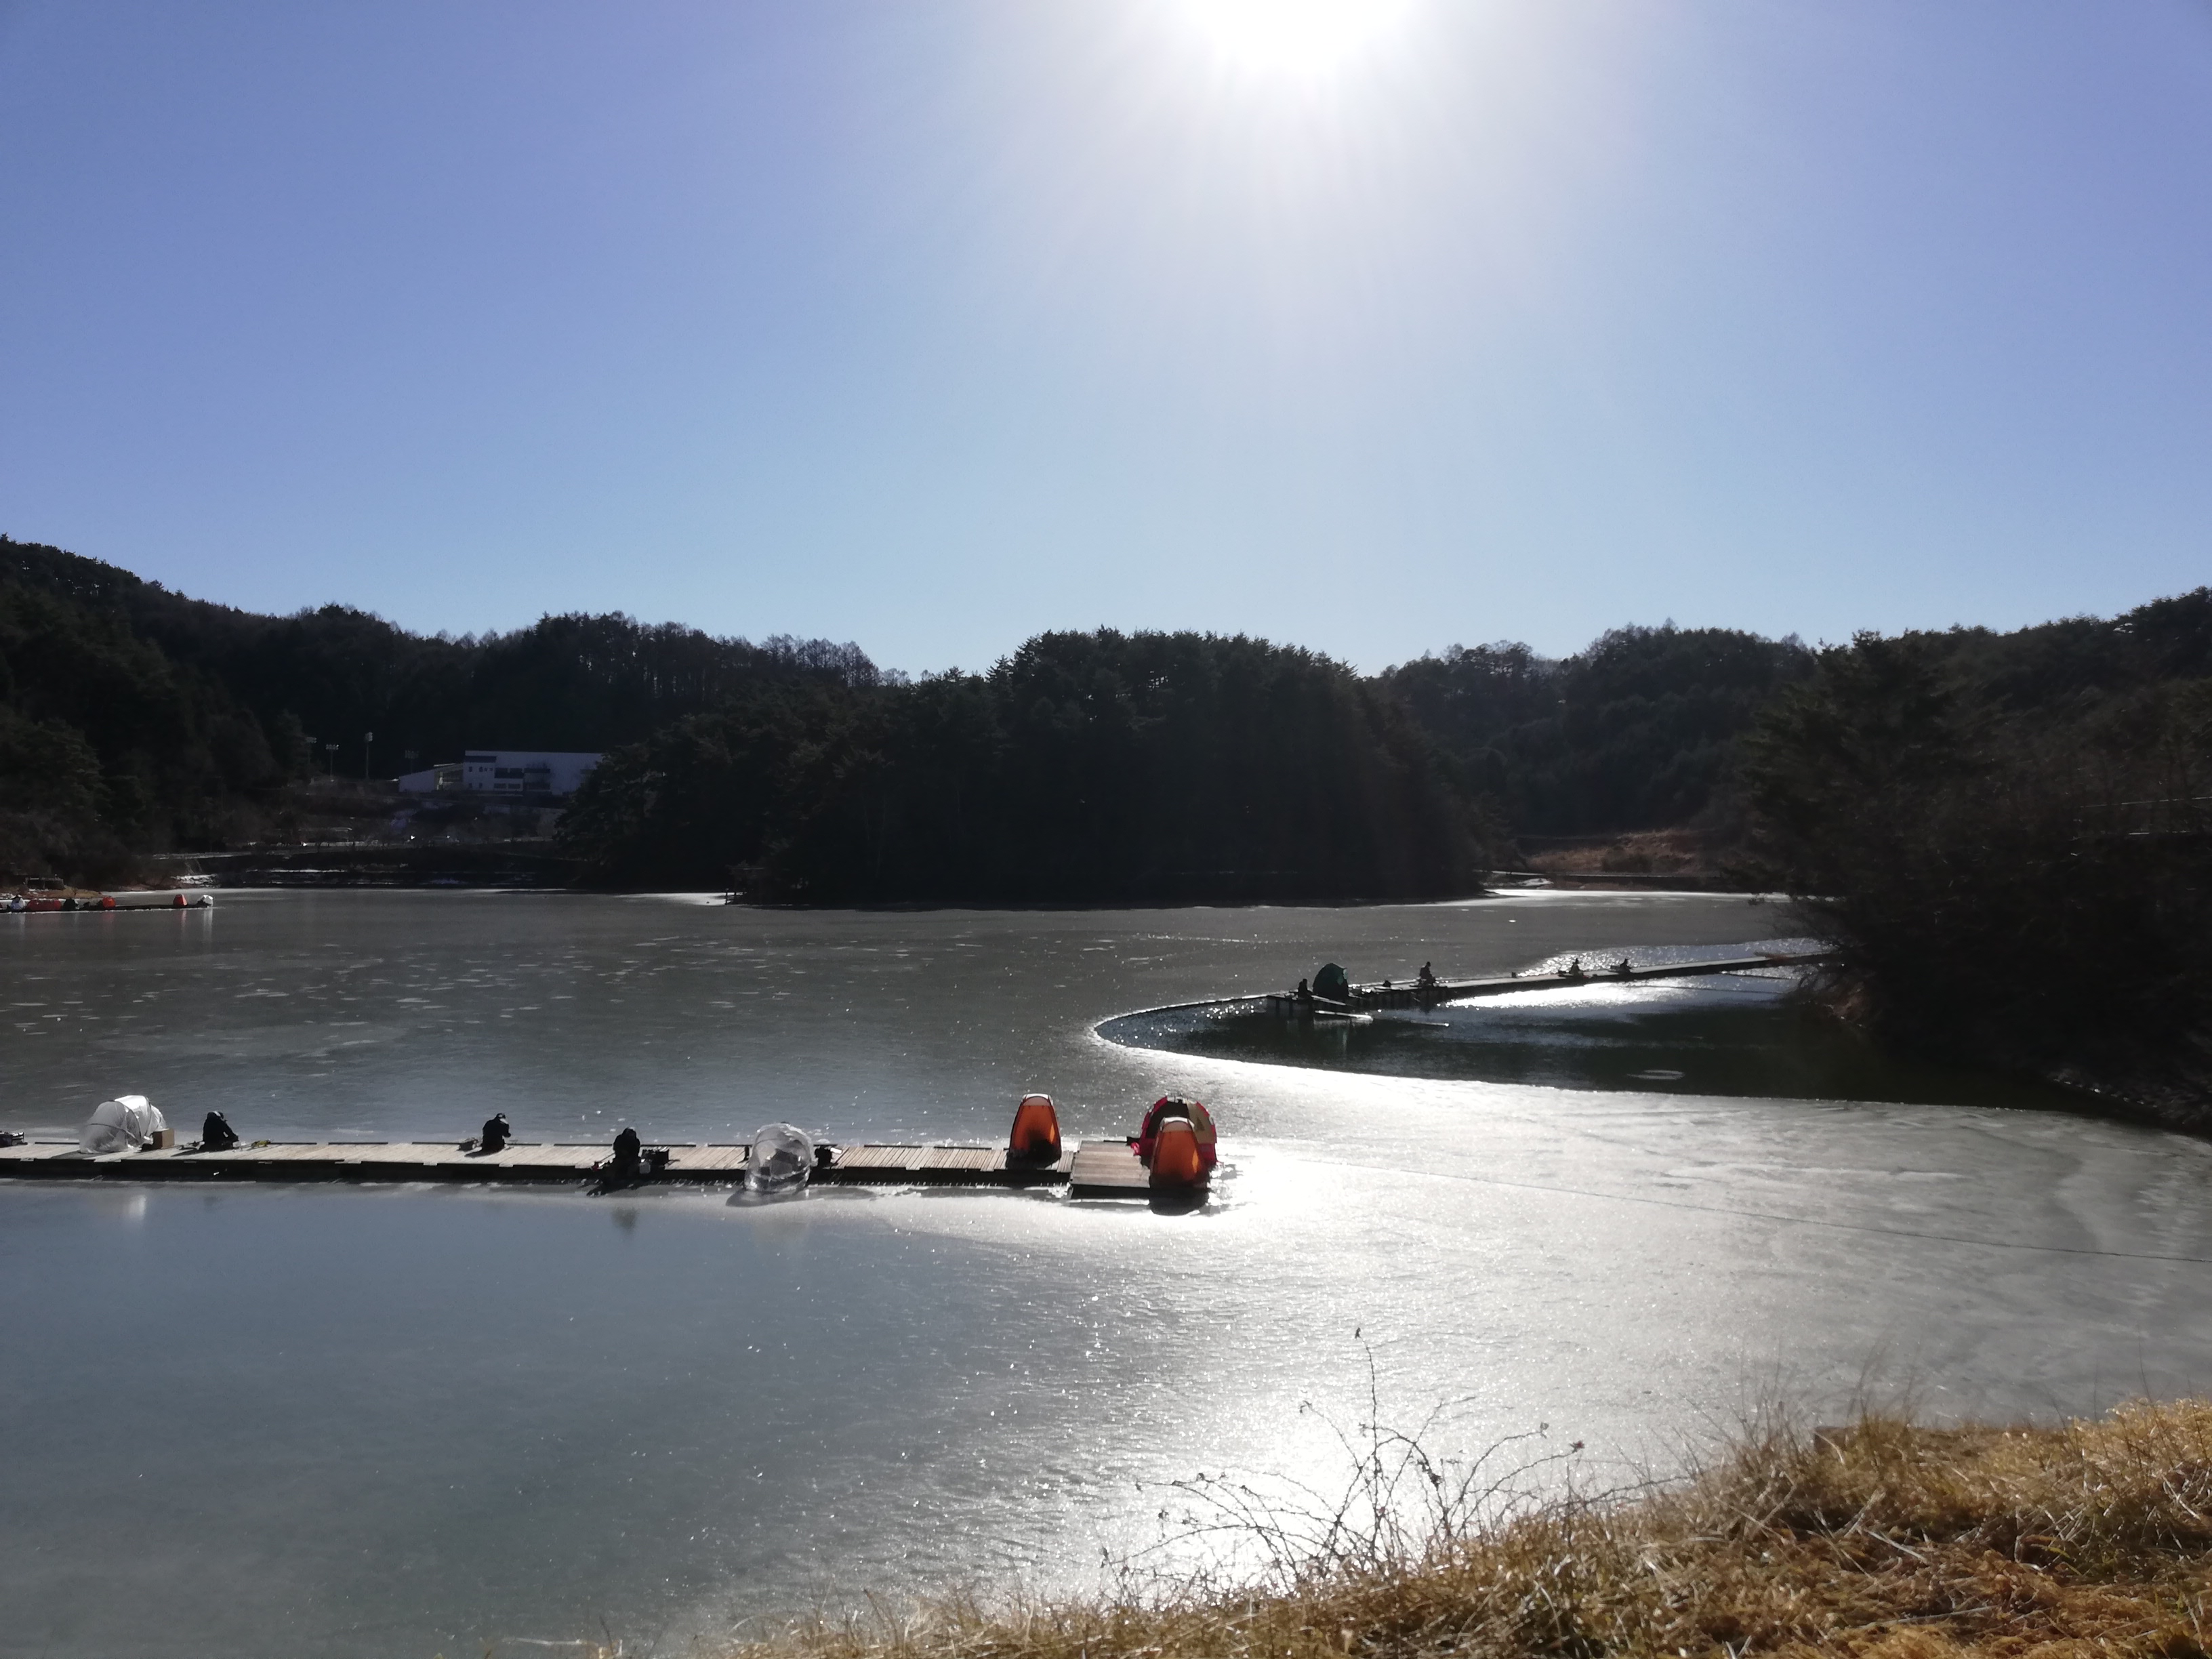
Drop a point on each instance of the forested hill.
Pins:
(1635, 733)
(1187, 765)
(2011, 836)
(1096, 766)
(135, 719)
(132, 718)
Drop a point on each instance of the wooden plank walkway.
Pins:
(1107, 1169)
(940, 1165)
(540, 1162)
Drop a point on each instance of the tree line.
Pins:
(1638, 731)
(2011, 836)
(1112, 766)
(134, 719)
(1097, 767)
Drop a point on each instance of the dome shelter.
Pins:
(123, 1124)
(781, 1160)
(1203, 1137)
(1035, 1138)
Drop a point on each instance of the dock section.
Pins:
(542, 1163)
(1365, 998)
(940, 1165)
(1107, 1169)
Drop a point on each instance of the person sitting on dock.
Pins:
(1621, 969)
(1573, 969)
(629, 1155)
(216, 1135)
(496, 1133)
(1426, 980)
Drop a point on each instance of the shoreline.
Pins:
(2153, 1090)
(1879, 1540)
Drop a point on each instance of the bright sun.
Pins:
(1294, 37)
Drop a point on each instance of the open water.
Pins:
(314, 1421)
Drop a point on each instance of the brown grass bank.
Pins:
(1883, 1540)
(1691, 853)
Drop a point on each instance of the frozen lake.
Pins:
(357, 1422)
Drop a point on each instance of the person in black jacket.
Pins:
(627, 1155)
(496, 1133)
(216, 1135)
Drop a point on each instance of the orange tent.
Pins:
(1035, 1135)
(1201, 1126)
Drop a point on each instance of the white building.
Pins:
(539, 773)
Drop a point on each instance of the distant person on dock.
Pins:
(629, 1155)
(216, 1135)
(1427, 978)
(496, 1133)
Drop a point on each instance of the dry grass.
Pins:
(1646, 852)
(1879, 1541)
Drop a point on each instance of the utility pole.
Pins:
(367, 738)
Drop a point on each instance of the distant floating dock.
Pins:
(1364, 998)
(41, 903)
(1093, 1169)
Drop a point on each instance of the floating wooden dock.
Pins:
(1367, 998)
(1094, 1168)
(41, 903)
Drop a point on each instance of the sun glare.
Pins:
(1303, 38)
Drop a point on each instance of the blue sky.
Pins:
(930, 324)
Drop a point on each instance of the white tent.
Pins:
(121, 1125)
